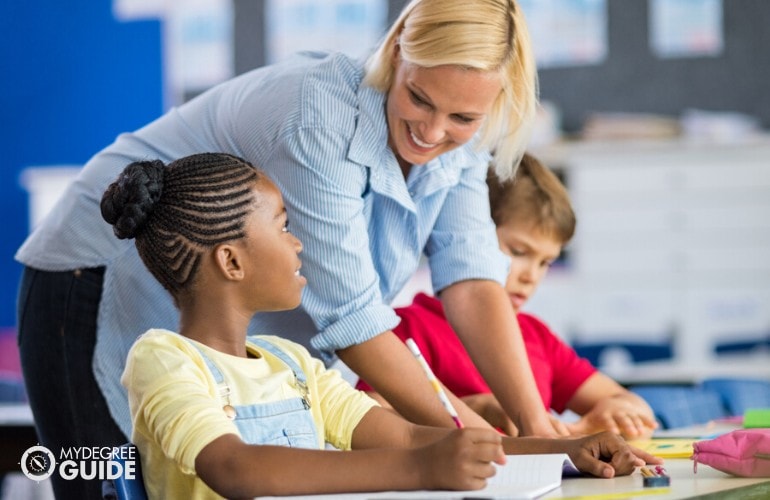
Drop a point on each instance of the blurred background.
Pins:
(654, 113)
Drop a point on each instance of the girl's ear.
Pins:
(228, 262)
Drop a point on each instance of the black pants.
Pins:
(57, 314)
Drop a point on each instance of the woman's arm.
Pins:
(481, 314)
(388, 366)
(605, 405)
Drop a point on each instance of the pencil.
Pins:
(646, 472)
(435, 383)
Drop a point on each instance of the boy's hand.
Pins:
(618, 415)
(607, 455)
(460, 461)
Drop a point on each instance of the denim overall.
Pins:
(280, 423)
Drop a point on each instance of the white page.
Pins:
(522, 477)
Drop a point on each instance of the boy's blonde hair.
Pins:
(484, 35)
(535, 197)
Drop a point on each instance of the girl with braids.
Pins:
(380, 163)
(217, 412)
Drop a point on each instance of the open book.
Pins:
(528, 476)
(522, 477)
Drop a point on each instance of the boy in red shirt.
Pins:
(534, 220)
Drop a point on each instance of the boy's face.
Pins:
(531, 252)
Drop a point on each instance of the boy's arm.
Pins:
(605, 405)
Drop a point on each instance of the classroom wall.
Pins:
(74, 77)
(632, 78)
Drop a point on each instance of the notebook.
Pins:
(666, 448)
(522, 477)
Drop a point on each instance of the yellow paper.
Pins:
(665, 448)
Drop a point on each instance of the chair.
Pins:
(122, 488)
(744, 346)
(740, 394)
(682, 406)
(597, 352)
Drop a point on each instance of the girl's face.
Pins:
(433, 110)
(532, 252)
(274, 280)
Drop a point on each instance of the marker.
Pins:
(435, 383)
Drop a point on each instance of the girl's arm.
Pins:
(460, 459)
(605, 405)
(388, 366)
(481, 314)
(602, 455)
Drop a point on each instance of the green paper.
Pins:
(756, 417)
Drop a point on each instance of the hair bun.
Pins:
(128, 202)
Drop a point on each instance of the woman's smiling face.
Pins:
(433, 110)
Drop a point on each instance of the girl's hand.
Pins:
(618, 415)
(607, 455)
(460, 461)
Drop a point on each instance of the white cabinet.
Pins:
(673, 240)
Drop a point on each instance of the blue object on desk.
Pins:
(740, 394)
(682, 406)
(123, 488)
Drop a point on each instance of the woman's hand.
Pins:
(460, 461)
(490, 410)
(619, 415)
(607, 455)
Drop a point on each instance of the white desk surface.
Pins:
(684, 484)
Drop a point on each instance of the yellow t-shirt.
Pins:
(177, 410)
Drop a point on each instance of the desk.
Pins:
(707, 483)
(17, 433)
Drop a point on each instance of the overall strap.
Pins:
(300, 379)
(268, 346)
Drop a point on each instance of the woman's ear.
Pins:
(229, 262)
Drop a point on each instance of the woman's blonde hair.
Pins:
(485, 35)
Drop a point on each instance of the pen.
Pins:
(434, 381)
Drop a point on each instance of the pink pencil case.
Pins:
(743, 452)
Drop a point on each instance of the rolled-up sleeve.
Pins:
(323, 192)
(463, 244)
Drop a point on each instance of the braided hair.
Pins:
(177, 212)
